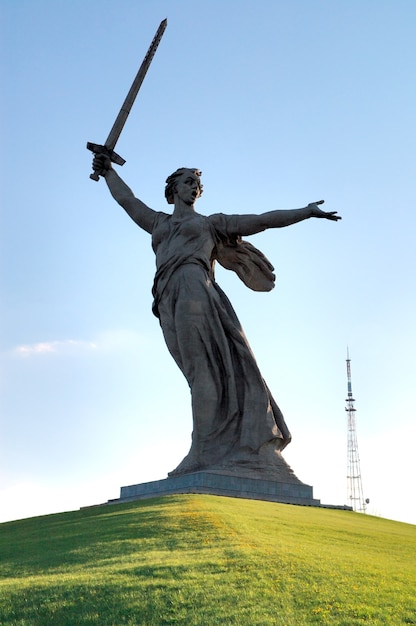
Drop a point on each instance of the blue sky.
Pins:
(279, 103)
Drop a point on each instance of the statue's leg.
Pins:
(202, 366)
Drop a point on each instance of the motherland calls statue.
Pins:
(237, 425)
(238, 428)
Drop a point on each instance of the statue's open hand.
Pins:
(101, 163)
(317, 212)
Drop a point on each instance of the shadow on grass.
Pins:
(95, 604)
(96, 535)
(151, 603)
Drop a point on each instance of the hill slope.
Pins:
(206, 560)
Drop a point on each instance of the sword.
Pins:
(109, 145)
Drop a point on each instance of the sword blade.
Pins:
(134, 89)
(109, 145)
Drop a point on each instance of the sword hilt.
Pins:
(113, 156)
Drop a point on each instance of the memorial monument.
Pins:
(239, 431)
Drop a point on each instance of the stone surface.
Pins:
(215, 483)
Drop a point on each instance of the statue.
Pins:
(237, 425)
(238, 428)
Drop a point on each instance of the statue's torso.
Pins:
(189, 239)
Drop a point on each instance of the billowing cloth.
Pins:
(232, 407)
(250, 265)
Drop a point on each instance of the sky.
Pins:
(279, 103)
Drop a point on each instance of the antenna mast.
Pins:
(354, 485)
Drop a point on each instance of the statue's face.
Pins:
(187, 187)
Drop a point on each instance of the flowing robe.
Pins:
(233, 411)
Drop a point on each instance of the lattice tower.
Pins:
(354, 484)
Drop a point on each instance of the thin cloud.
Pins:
(108, 341)
(53, 347)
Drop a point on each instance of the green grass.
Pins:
(205, 560)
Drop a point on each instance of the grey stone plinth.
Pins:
(222, 485)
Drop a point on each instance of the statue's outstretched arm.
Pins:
(143, 215)
(251, 224)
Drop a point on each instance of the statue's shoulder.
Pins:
(161, 217)
(217, 217)
(218, 221)
(161, 225)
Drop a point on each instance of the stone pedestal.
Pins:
(222, 484)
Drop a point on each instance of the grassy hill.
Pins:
(206, 560)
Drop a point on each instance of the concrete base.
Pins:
(215, 483)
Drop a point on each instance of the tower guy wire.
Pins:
(354, 483)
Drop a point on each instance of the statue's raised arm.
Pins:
(139, 212)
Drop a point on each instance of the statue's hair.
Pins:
(173, 178)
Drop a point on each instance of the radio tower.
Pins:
(354, 484)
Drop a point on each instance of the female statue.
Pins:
(237, 424)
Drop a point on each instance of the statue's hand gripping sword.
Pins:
(109, 145)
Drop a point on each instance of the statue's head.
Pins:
(174, 178)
